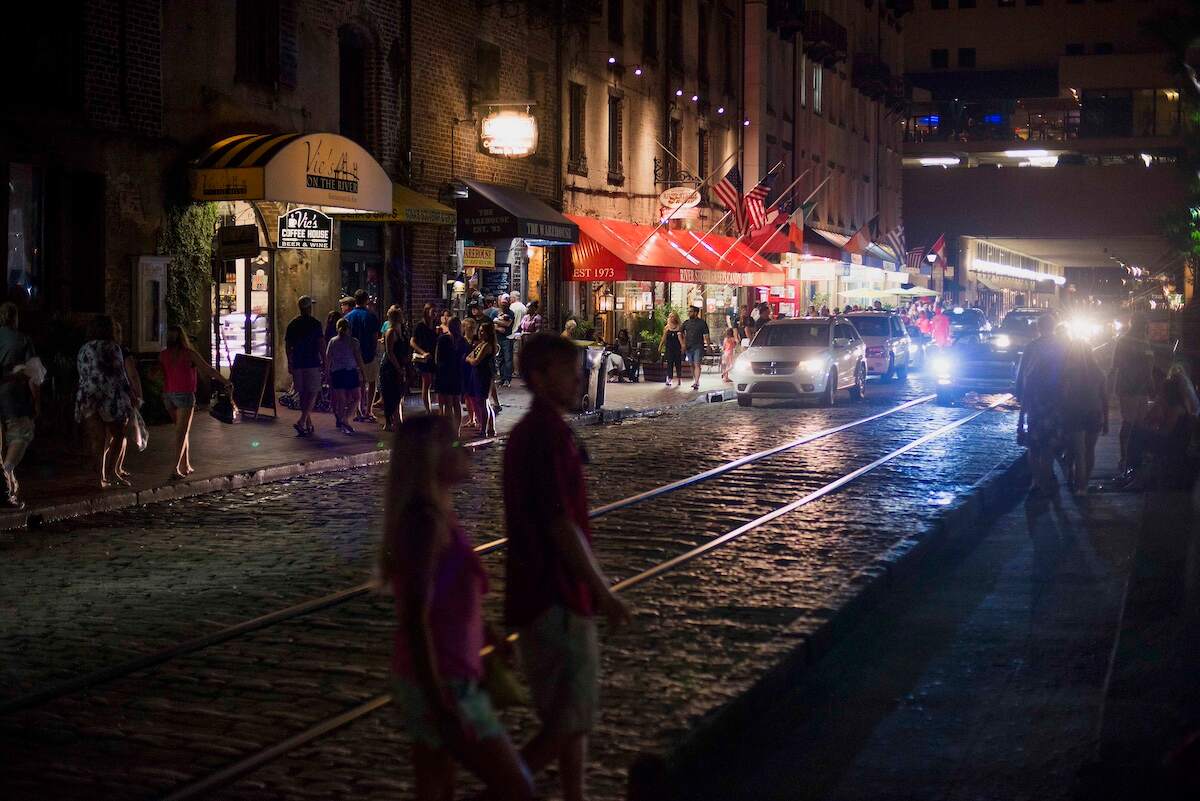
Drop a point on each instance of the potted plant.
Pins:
(653, 368)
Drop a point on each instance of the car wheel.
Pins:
(859, 390)
(902, 372)
(745, 400)
(946, 397)
(891, 369)
(830, 388)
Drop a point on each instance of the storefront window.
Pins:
(362, 260)
(25, 218)
(242, 304)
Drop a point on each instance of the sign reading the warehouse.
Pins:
(306, 228)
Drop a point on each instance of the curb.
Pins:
(716, 728)
(125, 499)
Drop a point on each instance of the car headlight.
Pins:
(813, 365)
(1002, 341)
(1117, 325)
(942, 366)
(742, 363)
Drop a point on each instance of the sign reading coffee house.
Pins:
(306, 228)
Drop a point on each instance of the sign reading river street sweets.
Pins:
(307, 229)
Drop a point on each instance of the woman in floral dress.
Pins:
(104, 397)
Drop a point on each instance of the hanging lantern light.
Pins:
(509, 133)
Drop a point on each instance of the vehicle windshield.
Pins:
(871, 326)
(793, 335)
(1021, 321)
(968, 318)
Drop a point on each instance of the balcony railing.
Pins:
(825, 39)
(870, 75)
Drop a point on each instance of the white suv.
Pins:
(802, 357)
(889, 350)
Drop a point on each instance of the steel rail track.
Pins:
(254, 761)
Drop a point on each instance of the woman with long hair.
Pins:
(423, 342)
(470, 332)
(180, 364)
(448, 377)
(346, 374)
(672, 348)
(103, 400)
(135, 395)
(438, 582)
(393, 371)
(482, 362)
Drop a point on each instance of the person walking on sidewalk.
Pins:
(20, 393)
(506, 331)
(180, 364)
(470, 333)
(1084, 413)
(364, 326)
(1132, 380)
(482, 361)
(439, 582)
(1038, 388)
(346, 374)
(695, 337)
(393, 370)
(304, 342)
(553, 586)
(424, 340)
(448, 372)
(728, 348)
(103, 400)
(672, 348)
(135, 396)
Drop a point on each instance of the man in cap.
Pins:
(304, 342)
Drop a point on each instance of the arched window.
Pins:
(352, 84)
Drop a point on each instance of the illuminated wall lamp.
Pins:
(940, 161)
(509, 133)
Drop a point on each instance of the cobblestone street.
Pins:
(99, 590)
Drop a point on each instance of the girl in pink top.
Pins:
(728, 346)
(180, 363)
(439, 583)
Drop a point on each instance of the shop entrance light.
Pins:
(509, 133)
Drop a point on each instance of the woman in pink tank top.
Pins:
(439, 583)
(180, 363)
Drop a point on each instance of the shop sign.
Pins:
(481, 257)
(491, 222)
(237, 242)
(509, 134)
(590, 273)
(306, 229)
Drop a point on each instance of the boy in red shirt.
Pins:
(553, 584)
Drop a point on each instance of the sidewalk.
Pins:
(987, 676)
(266, 449)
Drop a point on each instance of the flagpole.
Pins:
(782, 195)
(674, 211)
(770, 172)
(773, 205)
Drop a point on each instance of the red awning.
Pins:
(613, 250)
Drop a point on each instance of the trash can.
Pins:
(593, 366)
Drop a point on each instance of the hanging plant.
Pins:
(187, 237)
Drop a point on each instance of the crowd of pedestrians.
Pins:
(446, 690)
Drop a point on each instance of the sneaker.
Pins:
(346, 429)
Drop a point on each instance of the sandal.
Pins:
(118, 480)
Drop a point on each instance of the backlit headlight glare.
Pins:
(812, 365)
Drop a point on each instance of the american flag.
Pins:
(756, 212)
(916, 260)
(729, 191)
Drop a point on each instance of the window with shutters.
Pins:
(702, 19)
(616, 167)
(616, 21)
(675, 33)
(486, 83)
(674, 139)
(352, 84)
(728, 53)
(576, 143)
(650, 30)
(257, 42)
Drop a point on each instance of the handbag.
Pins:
(141, 435)
(501, 683)
(223, 407)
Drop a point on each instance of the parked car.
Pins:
(811, 357)
(889, 352)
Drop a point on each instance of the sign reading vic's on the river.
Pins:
(306, 228)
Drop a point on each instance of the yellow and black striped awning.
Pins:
(323, 170)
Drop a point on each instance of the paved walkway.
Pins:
(50, 480)
(986, 679)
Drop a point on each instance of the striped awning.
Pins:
(319, 169)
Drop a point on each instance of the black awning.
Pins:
(500, 212)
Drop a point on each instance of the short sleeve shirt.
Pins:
(303, 336)
(365, 328)
(542, 479)
(1133, 362)
(15, 349)
(694, 332)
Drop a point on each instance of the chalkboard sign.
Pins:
(253, 384)
(495, 282)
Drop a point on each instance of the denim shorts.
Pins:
(695, 355)
(179, 400)
(474, 706)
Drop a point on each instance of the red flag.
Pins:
(862, 237)
(939, 248)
